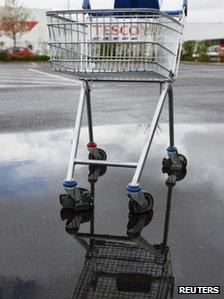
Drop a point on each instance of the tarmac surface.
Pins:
(34, 98)
(40, 259)
(42, 256)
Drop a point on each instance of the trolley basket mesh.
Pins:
(114, 270)
(119, 44)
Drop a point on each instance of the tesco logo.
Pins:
(105, 31)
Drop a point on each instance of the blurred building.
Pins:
(38, 36)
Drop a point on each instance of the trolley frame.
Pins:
(161, 69)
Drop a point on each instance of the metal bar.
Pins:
(167, 218)
(89, 113)
(92, 222)
(125, 240)
(110, 12)
(81, 242)
(160, 88)
(145, 244)
(171, 115)
(142, 160)
(105, 58)
(183, 20)
(76, 134)
(129, 42)
(105, 163)
(99, 237)
(125, 22)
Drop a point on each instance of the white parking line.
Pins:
(27, 86)
(33, 81)
(75, 82)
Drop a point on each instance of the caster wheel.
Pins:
(66, 214)
(66, 201)
(84, 202)
(135, 208)
(183, 160)
(166, 164)
(181, 174)
(93, 168)
(75, 219)
(70, 214)
(102, 155)
(137, 222)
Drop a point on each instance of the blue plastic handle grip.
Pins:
(185, 5)
(173, 12)
(86, 4)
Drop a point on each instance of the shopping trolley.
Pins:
(123, 266)
(122, 44)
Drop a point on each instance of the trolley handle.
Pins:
(185, 7)
(86, 5)
(178, 12)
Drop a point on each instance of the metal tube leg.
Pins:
(153, 126)
(176, 161)
(160, 88)
(91, 146)
(75, 141)
(135, 193)
(89, 113)
(171, 150)
(167, 218)
(95, 153)
(171, 115)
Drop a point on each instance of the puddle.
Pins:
(41, 259)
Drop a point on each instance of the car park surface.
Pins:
(31, 99)
(39, 258)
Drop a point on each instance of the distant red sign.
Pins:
(221, 50)
(30, 25)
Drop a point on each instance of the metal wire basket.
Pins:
(115, 270)
(118, 44)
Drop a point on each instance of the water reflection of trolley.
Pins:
(124, 266)
(129, 44)
(115, 270)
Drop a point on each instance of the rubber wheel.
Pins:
(183, 160)
(135, 208)
(102, 153)
(66, 213)
(133, 228)
(166, 163)
(68, 202)
(181, 174)
(103, 169)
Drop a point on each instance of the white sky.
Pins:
(199, 10)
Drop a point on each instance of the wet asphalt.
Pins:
(40, 257)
